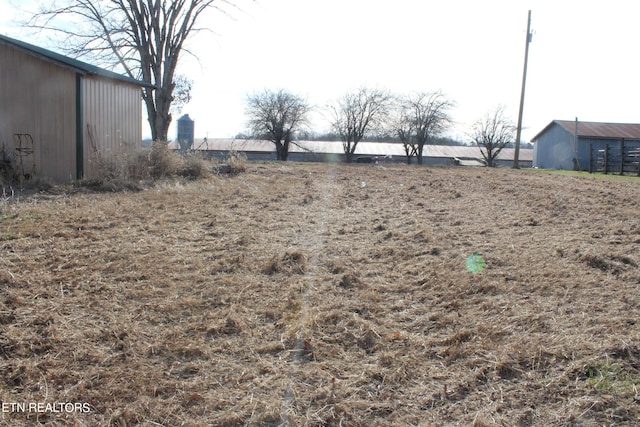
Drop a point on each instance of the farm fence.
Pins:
(615, 158)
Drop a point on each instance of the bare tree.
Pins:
(419, 118)
(359, 114)
(142, 37)
(492, 133)
(277, 116)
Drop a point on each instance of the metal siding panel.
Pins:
(87, 117)
(583, 154)
(554, 149)
(37, 97)
(79, 133)
(111, 109)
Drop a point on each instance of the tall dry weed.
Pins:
(7, 170)
(193, 167)
(162, 162)
(139, 164)
(128, 163)
(237, 161)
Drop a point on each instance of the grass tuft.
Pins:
(288, 262)
(612, 377)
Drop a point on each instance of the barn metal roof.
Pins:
(597, 129)
(363, 148)
(65, 61)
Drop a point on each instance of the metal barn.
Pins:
(567, 144)
(57, 113)
(321, 151)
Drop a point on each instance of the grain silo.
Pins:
(186, 128)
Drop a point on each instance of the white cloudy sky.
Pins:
(583, 62)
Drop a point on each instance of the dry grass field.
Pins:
(325, 295)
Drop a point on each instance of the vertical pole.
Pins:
(576, 159)
(79, 129)
(622, 156)
(591, 158)
(516, 158)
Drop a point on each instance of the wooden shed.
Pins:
(568, 144)
(57, 113)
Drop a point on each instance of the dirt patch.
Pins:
(326, 295)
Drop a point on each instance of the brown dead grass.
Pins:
(326, 295)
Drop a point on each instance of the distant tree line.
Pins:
(388, 138)
(366, 114)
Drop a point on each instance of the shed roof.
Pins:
(597, 129)
(65, 61)
(363, 148)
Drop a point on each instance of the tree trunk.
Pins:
(351, 152)
(282, 150)
(490, 156)
(349, 157)
(162, 115)
(349, 148)
(158, 114)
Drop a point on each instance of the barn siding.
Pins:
(554, 149)
(37, 97)
(113, 110)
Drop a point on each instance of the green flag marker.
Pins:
(475, 263)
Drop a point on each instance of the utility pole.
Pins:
(516, 157)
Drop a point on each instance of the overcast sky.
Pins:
(583, 61)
